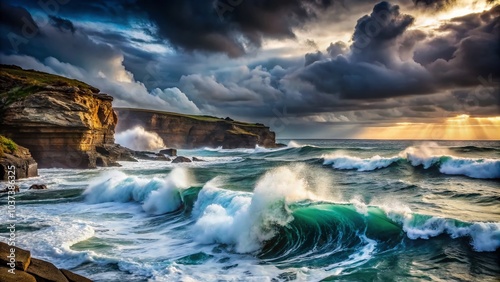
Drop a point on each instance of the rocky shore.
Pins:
(192, 131)
(17, 265)
(64, 123)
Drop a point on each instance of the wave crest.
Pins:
(425, 156)
(157, 195)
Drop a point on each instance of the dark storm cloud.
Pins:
(16, 23)
(62, 24)
(15, 17)
(230, 27)
(373, 69)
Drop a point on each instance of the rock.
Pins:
(61, 121)
(8, 188)
(22, 257)
(45, 271)
(162, 157)
(189, 131)
(28, 269)
(114, 153)
(152, 156)
(181, 159)
(22, 161)
(195, 159)
(18, 276)
(38, 187)
(169, 152)
(73, 277)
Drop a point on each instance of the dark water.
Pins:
(318, 210)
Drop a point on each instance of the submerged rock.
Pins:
(195, 159)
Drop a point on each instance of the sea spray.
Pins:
(157, 195)
(138, 138)
(246, 220)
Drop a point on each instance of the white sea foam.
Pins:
(245, 220)
(485, 236)
(427, 156)
(348, 162)
(157, 195)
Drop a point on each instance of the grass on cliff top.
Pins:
(196, 117)
(16, 83)
(7, 146)
(239, 131)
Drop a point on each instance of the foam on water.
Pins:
(359, 164)
(157, 195)
(485, 236)
(246, 220)
(426, 156)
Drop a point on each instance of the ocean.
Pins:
(316, 210)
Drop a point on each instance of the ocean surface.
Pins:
(316, 210)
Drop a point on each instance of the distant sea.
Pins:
(316, 210)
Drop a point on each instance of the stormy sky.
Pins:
(309, 69)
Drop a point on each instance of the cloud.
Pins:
(62, 24)
(230, 27)
(60, 48)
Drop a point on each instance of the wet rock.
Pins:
(181, 159)
(22, 257)
(45, 271)
(9, 188)
(169, 152)
(195, 159)
(38, 187)
(18, 276)
(73, 277)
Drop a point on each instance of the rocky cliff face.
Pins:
(61, 121)
(15, 161)
(188, 131)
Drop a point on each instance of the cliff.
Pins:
(61, 121)
(15, 159)
(191, 131)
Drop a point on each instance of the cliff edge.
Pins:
(15, 159)
(61, 121)
(192, 131)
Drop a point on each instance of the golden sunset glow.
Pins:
(461, 127)
(462, 8)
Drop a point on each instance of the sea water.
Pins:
(316, 210)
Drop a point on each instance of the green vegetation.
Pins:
(7, 146)
(240, 131)
(17, 83)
